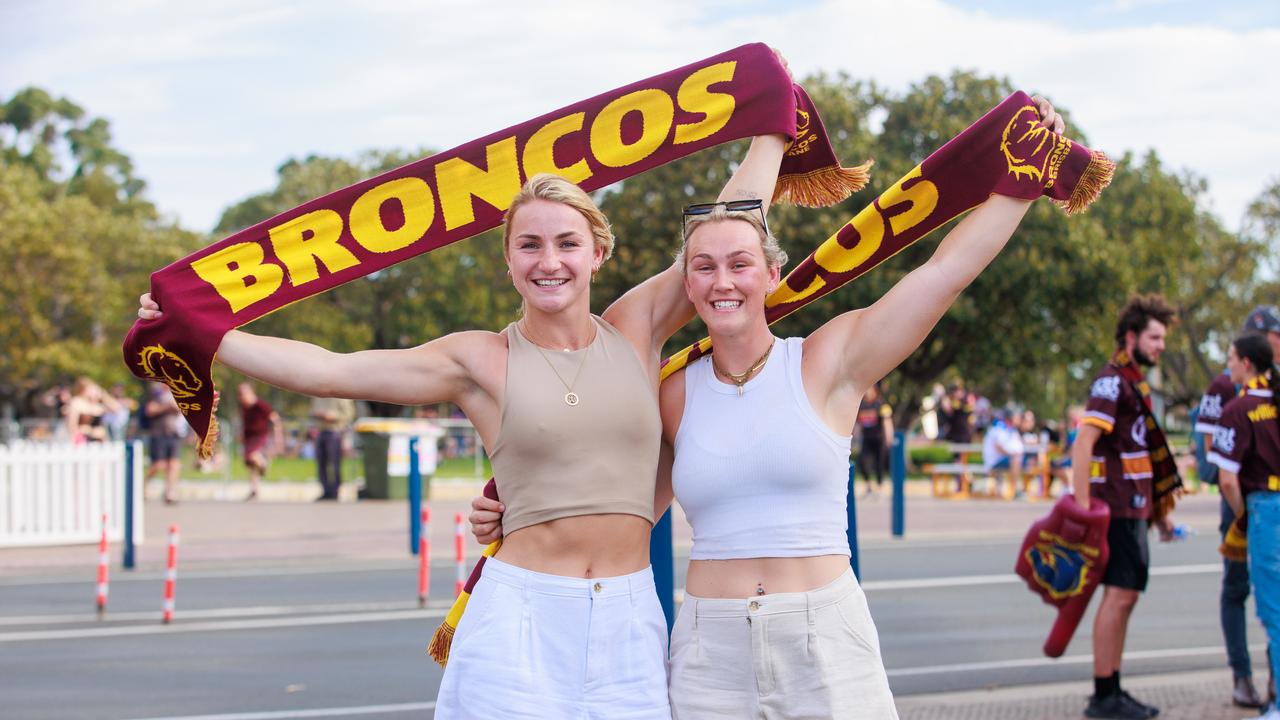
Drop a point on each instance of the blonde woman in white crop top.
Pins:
(578, 567)
(773, 623)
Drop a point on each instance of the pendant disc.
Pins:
(570, 399)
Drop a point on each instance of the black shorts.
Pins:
(1130, 556)
(163, 447)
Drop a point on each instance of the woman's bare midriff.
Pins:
(583, 546)
(742, 578)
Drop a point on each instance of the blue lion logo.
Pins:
(1059, 568)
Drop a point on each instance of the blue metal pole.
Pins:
(415, 497)
(662, 557)
(852, 505)
(898, 469)
(129, 556)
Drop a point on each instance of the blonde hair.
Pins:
(774, 255)
(545, 186)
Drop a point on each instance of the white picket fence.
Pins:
(55, 493)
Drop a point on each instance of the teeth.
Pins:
(726, 304)
(549, 283)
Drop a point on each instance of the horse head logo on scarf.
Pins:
(1022, 143)
(166, 367)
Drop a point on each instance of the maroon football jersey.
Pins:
(1220, 392)
(1247, 441)
(256, 418)
(1120, 472)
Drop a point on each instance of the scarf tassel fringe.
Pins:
(1096, 177)
(822, 188)
(441, 641)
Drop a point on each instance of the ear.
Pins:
(688, 289)
(775, 278)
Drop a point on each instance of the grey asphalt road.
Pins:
(348, 641)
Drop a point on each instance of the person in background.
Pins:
(117, 416)
(86, 412)
(333, 416)
(1112, 461)
(258, 420)
(875, 422)
(957, 416)
(1002, 448)
(1246, 451)
(164, 438)
(1264, 320)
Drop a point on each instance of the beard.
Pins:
(1142, 358)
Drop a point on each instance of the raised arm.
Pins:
(858, 348)
(652, 311)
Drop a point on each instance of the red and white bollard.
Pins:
(103, 562)
(458, 548)
(424, 558)
(171, 574)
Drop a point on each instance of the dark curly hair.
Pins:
(1141, 310)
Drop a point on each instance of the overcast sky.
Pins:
(210, 98)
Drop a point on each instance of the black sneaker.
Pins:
(1150, 710)
(1114, 707)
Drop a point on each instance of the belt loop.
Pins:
(809, 610)
(693, 608)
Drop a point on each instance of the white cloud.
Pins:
(209, 99)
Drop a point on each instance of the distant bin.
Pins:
(385, 452)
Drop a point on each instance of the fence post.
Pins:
(415, 497)
(662, 557)
(851, 504)
(130, 449)
(898, 469)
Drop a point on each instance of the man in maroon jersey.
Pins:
(1115, 459)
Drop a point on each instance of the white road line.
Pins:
(1065, 660)
(313, 614)
(262, 623)
(312, 713)
(206, 614)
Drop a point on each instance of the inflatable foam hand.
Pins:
(1235, 546)
(1062, 560)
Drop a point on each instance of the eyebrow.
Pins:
(560, 236)
(735, 253)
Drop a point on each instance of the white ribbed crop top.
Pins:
(760, 475)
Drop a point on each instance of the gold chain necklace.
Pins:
(741, 379)
(570, 397)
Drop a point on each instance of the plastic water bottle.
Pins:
(1182, 532)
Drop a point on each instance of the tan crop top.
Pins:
(552, 460)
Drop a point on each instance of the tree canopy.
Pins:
(80, 238)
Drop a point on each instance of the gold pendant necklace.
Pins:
(741, 379)
(570, 397)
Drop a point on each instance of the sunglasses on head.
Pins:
(730, 206)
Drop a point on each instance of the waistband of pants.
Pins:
(566, 586)
(776, 603)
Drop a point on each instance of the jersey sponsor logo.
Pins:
(1106, 388)
(1224, 439)
(1139, 433)
(1210, 406)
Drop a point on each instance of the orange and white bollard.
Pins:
(171, 574)
(424, 558)
(103, 562)
(458, 548)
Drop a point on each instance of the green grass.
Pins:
(295, 469)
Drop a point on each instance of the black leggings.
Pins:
(875, 454)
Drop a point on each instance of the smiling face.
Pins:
(551, 255)
(726, 276)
